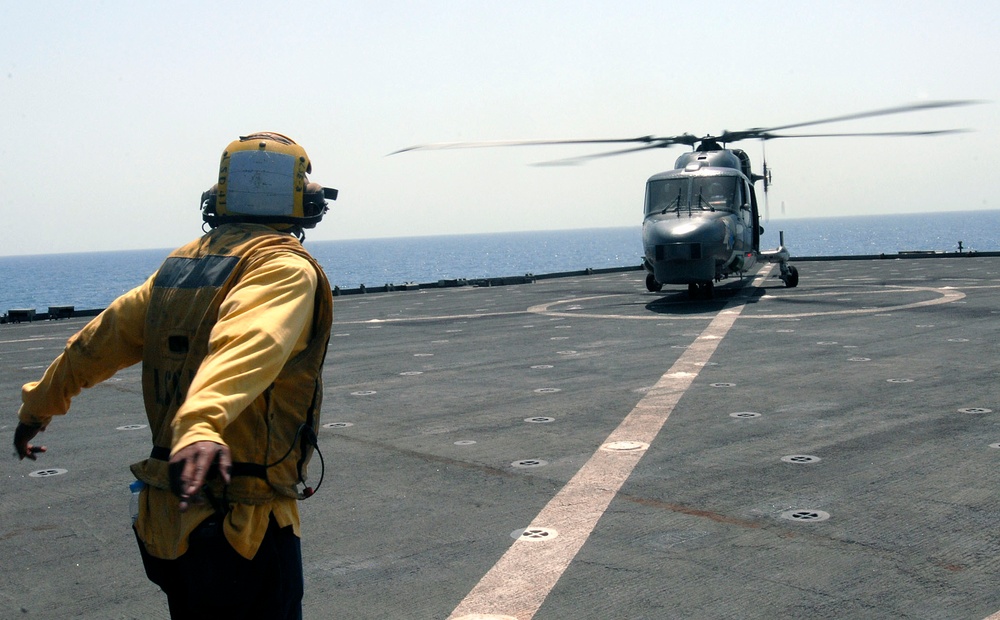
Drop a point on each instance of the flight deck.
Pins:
(580, 447)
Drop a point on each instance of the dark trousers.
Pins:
(213, 581)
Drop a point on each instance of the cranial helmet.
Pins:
(262, 179)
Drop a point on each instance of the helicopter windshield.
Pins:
(715, 193)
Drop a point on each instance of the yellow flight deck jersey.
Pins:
(274, 314)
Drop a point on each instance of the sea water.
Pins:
(92, 280)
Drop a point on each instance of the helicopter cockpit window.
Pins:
(666, 196)
(717, 193)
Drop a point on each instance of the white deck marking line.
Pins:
(407, 319)
(32, 340)
(519, 582)
(947, 296)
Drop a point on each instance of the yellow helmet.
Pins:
(262, 179)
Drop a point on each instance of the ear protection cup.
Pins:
(208, 201)
(313, 200)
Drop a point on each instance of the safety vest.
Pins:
(271, 440)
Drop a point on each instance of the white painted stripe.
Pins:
(519, 582)
(416, 319)
(30, 340)
(946, 295)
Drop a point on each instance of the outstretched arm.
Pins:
(108, 343)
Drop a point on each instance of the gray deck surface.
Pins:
(828, 451)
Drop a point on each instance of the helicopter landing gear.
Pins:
(701, 290)
(652, 285)
(789, 275)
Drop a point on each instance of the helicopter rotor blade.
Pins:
(647, 141)
(938, 132)
(572, 161)
(493, 143)
(913, 107)
(759, 133)
(767, 180)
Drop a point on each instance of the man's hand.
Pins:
(22, 435)
(192, 465)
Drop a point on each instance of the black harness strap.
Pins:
(255, 470)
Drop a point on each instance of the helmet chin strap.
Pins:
(303, 222)
(292, 229)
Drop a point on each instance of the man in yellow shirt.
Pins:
(232, 332)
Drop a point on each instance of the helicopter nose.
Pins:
(701, 231)
(685, 251)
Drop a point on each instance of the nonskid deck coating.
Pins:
(879, 376)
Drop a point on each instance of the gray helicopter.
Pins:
(702, 219)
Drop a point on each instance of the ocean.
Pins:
(92, 280)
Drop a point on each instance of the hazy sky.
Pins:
(114, 114)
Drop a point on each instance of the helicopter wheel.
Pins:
(651, 284)
(792, 279)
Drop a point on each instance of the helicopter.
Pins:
(702, 220)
